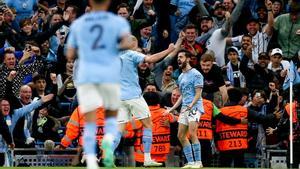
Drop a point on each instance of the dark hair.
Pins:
(189, 26)
(7, 52)
(280, 1)
(294, 7)
(247, 35)
(11, 105)
(234, 95)
(263, 55)
(38, 77)
(75, 9)
(187, 53)
(152, 98)
(152, 84)
(123, 5)
(33, 43)
(25, 22)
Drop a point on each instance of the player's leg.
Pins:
(193, 127)
(85, 93)
(193, 119)
(111, 100)
(140, 110)
(182, 136)
(122, 118)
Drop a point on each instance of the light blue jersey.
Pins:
(188, 81)
(185, 6)
(130, 88)
(96, 37)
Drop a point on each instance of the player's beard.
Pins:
(183, 65)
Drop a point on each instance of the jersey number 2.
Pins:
(97, 44)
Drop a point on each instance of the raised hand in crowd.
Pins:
(12, 75)
(26, 56)
(47, 98)
(248, 52)
(268, 4)
(227, 15)
(9, 12)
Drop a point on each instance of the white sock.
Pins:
(91, 161)
(147, 157)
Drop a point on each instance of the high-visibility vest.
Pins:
(205, 124)
(75, 127)
(294, 106)
(130, 128)
(160, 139)
(232, 137)
(296, 127)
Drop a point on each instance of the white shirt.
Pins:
(260, 43)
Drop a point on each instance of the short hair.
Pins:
(25, 22)
(189, 26)
(33, 43)
(247, 35)
(234, 95)
(38, 77)
(207, 57)
(123, 5)
(152, 84)
(8, 51)
(75, 9)
(152, 98)
(187, 53)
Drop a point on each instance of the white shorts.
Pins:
(136, 108)
(186, 117)
(92, 96)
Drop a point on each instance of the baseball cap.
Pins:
(233, 49)
(276, 51)
(220, 5)
(263, 55)
(206, 17)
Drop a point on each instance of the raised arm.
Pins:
(201, 8)
(227, 25)
(269, 27)
(177, 46)
(158, 56)
(237, 11)
(32, 106)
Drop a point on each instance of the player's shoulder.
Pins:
(195, 72)
(78, 21)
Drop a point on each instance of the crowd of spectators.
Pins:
(244, 44)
